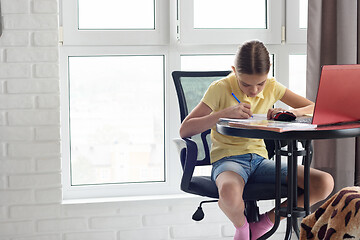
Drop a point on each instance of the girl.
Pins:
(239, 160)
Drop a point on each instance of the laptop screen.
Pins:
(338, 96)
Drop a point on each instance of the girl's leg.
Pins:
(320, 187)
(261, 227)
(231, 186)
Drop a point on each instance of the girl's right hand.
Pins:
(241, 110)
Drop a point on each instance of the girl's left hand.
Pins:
(272, 111)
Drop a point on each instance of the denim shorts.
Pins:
(251, 167)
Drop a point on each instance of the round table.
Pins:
(292, 212)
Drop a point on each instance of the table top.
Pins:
(328, 132)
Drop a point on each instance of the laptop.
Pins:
(338, 96)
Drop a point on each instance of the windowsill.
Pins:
(132, 199)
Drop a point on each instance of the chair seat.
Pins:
(204, 186)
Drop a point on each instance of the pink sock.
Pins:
(242, 233)
(261, 227)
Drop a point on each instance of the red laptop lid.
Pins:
(338, 97)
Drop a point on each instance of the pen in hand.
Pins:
(236, 99)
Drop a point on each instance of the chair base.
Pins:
(199, 213)
(252, 212)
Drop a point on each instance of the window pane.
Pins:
(230, 14)
(210, 62)
(114, 14)
(116, 119)
(303, 13)
(297, 74)
(207, 62)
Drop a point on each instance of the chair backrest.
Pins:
(190, 88)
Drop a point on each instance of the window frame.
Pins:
(73, 36)
(172, 48)
(189, 35)
(294, 34)
(172, 168)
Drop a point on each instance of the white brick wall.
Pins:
(30, 158)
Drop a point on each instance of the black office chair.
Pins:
(194, 151)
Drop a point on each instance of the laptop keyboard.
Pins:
(304, 119)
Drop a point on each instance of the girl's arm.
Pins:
(300, 105)
(202, 118)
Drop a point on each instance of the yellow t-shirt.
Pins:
(218, 96)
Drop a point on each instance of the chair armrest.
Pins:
(189, 148)
(180, 144)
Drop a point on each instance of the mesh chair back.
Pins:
(190, 88)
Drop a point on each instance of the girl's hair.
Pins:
(252, 58)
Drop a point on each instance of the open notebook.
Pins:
(259, 121)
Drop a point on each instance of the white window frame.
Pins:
(172, 168)
(166, 42)
(190, 35)
(294, 34)
(73, 36)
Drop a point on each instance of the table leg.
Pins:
(277, 191)
(291, 212)
(296, 212)
(295, 153)
(307, 160)
(290, 191)
(296, 227)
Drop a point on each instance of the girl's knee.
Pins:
(321, 184)
(230, 193)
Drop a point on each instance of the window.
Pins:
(112, 22)
(207, 62)
(107, 93)
(214, 14)
(303, 17)
(229, 21)
(113, 123)
(296, 21)
(297, 74)
(118, 103)
(116, 15)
